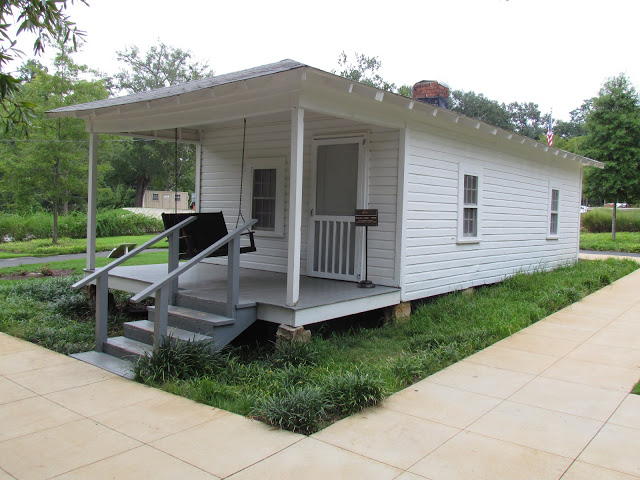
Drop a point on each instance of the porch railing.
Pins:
(163, 287)
(101, 276)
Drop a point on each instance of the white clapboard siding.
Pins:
(269, 138)
(514, 221)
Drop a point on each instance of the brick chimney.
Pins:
(432, 92)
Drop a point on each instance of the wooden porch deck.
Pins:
(320, 299)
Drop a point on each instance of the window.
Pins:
(266, 182)
(263, 201)
(155, 197)
(553, 214)
(470, 209)
(177, 197)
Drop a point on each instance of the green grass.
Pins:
(350, 364)
(636, 389)
(624, 242)
(44, 247)
(144, 258)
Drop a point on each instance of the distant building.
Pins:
(165, 199)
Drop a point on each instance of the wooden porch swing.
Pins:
(208, 227)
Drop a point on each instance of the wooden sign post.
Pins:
(366, 218)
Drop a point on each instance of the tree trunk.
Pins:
(613, 220)
(65, 207)
(142, 183)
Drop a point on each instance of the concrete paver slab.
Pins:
(60, 449)
(158, 417)
(538, 344)
(139, 463)
(472, 456)
(311, 459)
(616, 448)
(514, 360)
(30, 359)
(60, 377)
(584, 471)
(439, 403)
(539, 428)
(568, 397)
(103, 396)
(472, 377)
(562, 332)
(11, 391)
(9, 344)
(227, 444)
(606, 355)
(628, 413)
(30, 415)
(595, 374)
(573, 319)
(615, 338)
(388, 436)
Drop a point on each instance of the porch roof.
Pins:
(275, 87)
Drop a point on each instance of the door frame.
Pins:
(362, 195)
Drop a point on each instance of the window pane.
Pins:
(553, 228)
(470, 222)
(470, 190)
(263, 203)
(555, 200)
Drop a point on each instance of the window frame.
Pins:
(550, 212)
(462, 238)
(155, 197)
(272, 163)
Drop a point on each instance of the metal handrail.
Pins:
(151, 289)
(102, 271)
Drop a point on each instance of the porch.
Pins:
(319, 299)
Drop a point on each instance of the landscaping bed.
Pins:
(349, 364)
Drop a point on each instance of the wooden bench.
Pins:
(205, 231)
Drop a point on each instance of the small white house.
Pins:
(165, 199)
(460, 203)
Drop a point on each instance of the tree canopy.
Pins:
(613, 137)
(47, 20)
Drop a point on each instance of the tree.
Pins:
(365, 70)
(47, 20)
(613, 137)
(48, 168)
(145, 163)
(526, 119)
(480, 107)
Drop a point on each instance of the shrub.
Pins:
(302, 410)
(350, 392)
(110, 223)
(293, 354)
(174, 359)
(598, 220)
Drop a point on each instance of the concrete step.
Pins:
(126, 348)
(142, 331)
(193, 320)
(107, 362)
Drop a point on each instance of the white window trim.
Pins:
(279, 164)
(461, 173)
(552, 187)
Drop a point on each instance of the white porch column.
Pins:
(92, 201)
(295, 206)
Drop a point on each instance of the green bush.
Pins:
(179, 360)
(598, 220)
(110, 223)
(351, 391)
(302, 410)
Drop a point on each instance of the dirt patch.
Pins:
(48, 273)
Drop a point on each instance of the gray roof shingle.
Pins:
(183, 88)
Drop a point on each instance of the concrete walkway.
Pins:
(549, 402)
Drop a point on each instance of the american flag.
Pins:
(550, 133)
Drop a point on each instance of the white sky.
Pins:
(555, 53)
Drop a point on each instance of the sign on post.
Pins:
(366, 217)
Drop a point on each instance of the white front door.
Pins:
(335, 244)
